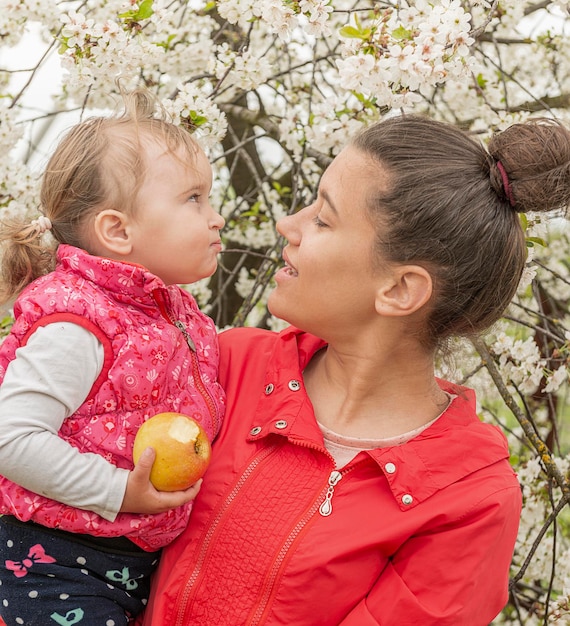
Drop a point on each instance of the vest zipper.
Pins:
(185, 334)
(197, 375)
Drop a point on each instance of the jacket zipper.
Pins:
(334, 478)
(270, 589)
(197, 375)
(326, 507)
(190, 580)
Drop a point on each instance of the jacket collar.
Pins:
(456, 445)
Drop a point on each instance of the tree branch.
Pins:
(541, 448)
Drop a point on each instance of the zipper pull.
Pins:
(326, 507)
(186, 335)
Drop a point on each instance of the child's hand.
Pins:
(142, 497)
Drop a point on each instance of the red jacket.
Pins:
(419, 534)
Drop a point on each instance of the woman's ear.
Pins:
(112, 232)
(409, 287)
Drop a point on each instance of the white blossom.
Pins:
(557, 378)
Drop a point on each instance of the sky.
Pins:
(38, 97)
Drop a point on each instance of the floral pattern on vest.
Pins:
(161, 354)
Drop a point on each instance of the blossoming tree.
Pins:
(273, 89)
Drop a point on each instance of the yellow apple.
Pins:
(182, 450)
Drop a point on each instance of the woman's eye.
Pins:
(318, 222)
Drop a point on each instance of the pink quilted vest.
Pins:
(161, 354)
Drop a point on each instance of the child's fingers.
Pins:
(143, 467)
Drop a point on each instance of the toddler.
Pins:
(103, 339)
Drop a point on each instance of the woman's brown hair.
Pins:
(452, 206)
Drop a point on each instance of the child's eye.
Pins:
(194, 198)
(318, 222)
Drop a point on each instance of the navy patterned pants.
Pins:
(59, 578)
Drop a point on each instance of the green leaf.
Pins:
(281, 190)
(350, 32)
(166, 44)
(144, 11)
(369, 103)
(5, 325)
(253, 210)
(531, 241)
(402, 33)
(197, 120)
(481, 81)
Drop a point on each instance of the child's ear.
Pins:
(112, 232)
(409, 288)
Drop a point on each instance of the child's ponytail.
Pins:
(27, 254)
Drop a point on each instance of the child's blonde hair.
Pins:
(99, 164)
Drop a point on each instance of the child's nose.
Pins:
(218, 221)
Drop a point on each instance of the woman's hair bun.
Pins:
(534, 157)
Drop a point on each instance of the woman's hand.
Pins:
(142, 497)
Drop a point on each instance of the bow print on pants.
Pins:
(35, 555)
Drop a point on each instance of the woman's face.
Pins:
(329, 277)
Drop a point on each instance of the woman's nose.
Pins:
(290, 225)
(282, 225)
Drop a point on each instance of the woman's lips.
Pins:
(289, 268)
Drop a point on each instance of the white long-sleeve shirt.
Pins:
(47, 382)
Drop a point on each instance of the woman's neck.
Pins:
(373, 394)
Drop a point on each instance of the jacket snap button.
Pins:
(255, 430)
(281, 424)
(269, 388)
(407, 499)
(294, 385)
(390, 468)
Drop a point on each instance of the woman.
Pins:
(348, 485)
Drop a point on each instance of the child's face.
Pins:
(175, 231)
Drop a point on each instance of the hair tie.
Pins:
(506, 184)
(42, 223)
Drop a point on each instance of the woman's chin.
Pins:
(273, 307)
(277, 305)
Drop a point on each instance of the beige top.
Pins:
(343, 449)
